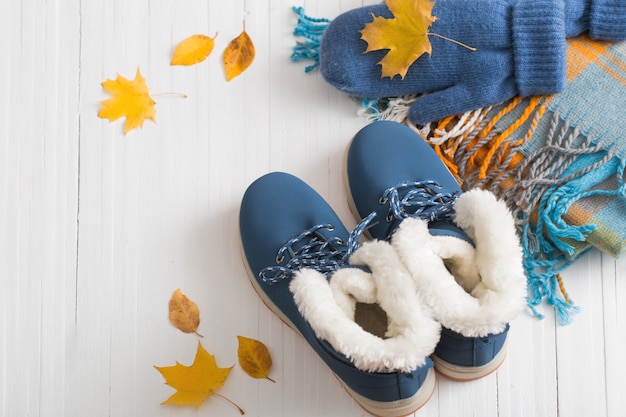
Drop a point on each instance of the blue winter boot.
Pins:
(314, 275)
(461, 249)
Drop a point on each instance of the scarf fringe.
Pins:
(311, 29)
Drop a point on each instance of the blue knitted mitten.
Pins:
(604, 19)
(520, 50)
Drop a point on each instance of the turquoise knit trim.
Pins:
(311, 29)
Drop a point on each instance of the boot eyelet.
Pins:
(389, 218)
(383, 200)
(280, 259)
(330, 228)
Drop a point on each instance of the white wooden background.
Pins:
(97, 229)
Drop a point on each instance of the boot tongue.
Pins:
(446, 228)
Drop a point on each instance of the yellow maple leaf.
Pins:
(194, 383)
(184, 313)
(254, 357)
(405, 35)
(238, 55)
(193, 50)
(130, 99)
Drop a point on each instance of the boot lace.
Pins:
(422, 199)
(314, 251)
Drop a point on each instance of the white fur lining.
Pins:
(329, 308)
(482, 288)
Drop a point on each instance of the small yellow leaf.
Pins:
(192, 50)
(254, 357)
(184, 313)
(130, 99)
(238, 55)
(405, 35)
(194, 383)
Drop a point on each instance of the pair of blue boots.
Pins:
(434, 286)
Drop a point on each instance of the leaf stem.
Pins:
(231, 403)
(453, 41)
(170, 93)
(267, 377)
(198, 334)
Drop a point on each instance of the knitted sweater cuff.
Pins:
(539, 46)
(607, 20)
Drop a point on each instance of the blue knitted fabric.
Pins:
(602, 19)
(520, 50)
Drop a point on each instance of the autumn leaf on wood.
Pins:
(193, 50)
(238, 55)
(254, 357)
(130, 99)
(197, 382)
(184, 313)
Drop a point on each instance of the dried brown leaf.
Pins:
(254, 357)
(238, 55)
(184, 313)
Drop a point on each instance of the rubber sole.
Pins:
(469, 373)
(397, 408)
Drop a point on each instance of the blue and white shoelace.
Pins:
(421, 199)
(317, 253)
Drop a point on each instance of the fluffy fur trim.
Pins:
(472, 291)
(329, 308)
